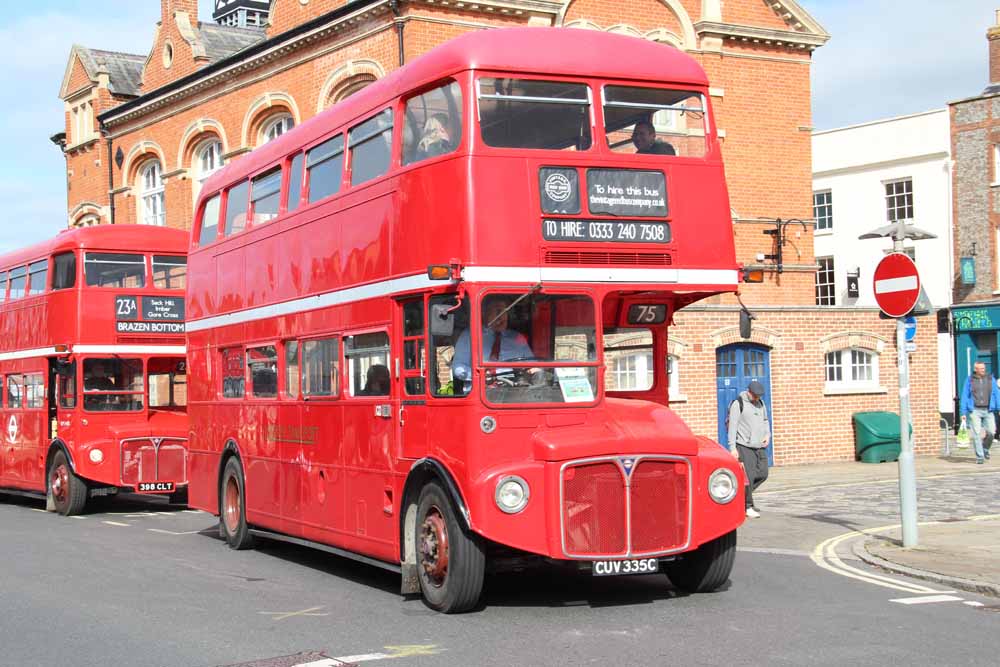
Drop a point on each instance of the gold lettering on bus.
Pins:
(293, 434)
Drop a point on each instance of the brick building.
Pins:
(975, 145)
(142, 131)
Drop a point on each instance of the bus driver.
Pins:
(499, 342)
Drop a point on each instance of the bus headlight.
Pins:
(512, 494)
(96, 456)
(722, 486)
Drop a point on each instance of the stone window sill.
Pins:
(852, 390)
(678, 398)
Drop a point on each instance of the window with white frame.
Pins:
(823, 209)
(151, 194)
(899, 200)
(207, 161)
(276, 126)
(825, 285)
(634, 371)
(851, 369)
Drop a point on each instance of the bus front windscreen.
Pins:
(548, 340)
(655, 121)
(112, 385)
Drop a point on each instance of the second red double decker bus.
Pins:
(92, 367)
(428, 328)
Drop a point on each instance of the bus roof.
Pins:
(136, 238)
(538, 51)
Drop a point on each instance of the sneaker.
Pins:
(979, 461)
(986, 453)
(752, 513)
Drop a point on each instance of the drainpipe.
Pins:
(394, 6)
(111, 173)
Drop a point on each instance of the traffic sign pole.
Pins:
(907, 471)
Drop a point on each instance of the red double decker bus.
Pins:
(92, 365)
(428, 327)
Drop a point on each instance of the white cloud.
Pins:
(888, 58)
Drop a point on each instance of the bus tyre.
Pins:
(706, 568)
(233, 507)
(67, 491)
(450, 563)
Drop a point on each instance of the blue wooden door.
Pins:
(735, 367)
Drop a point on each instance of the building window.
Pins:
(151, 194)
(823, 209)
(899, 200)
(825, 285)
(208, 160)
(851, 370)
(276, 126)
(673, 377)
(634, 372)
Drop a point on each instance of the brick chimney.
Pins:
(993, 36)
(168, 7)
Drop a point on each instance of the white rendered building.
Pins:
(866, 176)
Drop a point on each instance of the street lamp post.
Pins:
(899, 231)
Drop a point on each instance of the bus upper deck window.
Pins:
(325, 164)
(64, 271)
(236, 208)
(169, 271)
(105, 269)
(295, 183)
(3, 286)
(655, 121)
(433, 123)
(266, 195)
(370, 144)
(210, 221)
(529, 113)
(39, 276)
(18, 281)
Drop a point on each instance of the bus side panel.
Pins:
(422, 199)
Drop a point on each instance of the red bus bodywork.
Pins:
(607, 476)
(65, 433)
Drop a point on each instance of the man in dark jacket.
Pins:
(980, 398)
(749, 431)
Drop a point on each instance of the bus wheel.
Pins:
(706, 568)
(450, 563)
(233, 507)
(68, 492)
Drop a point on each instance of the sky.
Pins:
(885, 58)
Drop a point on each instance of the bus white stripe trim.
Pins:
(28, 354)
(336, 298)
(890, 285)
(505, 274)
(130, 349)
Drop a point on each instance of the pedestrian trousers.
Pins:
(755, 463)
(980, 420)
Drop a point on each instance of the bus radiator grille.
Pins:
(659, 509)
(575, 257)
(594, 510)
(143, 460)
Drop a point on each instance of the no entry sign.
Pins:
(897, 284)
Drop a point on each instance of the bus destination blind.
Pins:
(157, 314)
(614, 231)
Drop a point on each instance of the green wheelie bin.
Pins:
(876, 436)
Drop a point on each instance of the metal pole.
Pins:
(907, 472)
(907, 469)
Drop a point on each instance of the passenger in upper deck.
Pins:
(645, 141)
(436, 137)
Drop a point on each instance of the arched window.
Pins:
(851, 369)
(275, 126)
(151, 194)
(207, 160)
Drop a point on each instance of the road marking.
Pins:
(405, 651)
(775, 552)
(116, 523)
(171, 532)
(927, 599)
(282, 615)
(35, 509)
(79, 518)
(973, 603)
(825, 555)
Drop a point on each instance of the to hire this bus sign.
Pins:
(149, 314)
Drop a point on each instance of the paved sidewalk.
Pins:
(958, 506)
